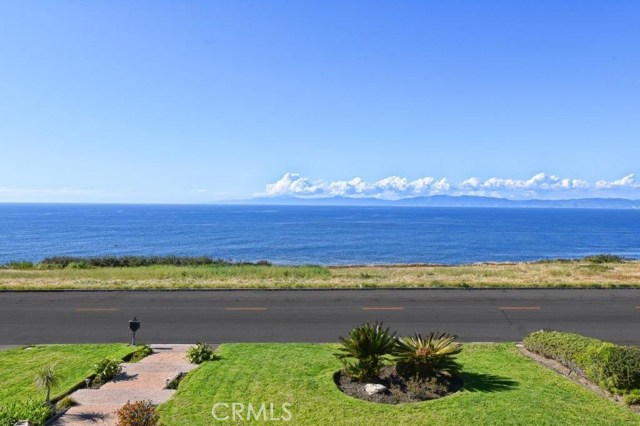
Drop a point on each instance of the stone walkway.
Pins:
(144, 380)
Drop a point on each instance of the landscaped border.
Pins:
(565, 371)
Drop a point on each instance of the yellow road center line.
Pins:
(245, 309)
(519, 308)
(382, 308)
(97, 309)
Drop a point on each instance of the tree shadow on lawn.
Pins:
(481, 382)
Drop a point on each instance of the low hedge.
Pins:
(615, 368)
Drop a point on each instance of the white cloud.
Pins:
(541, 185)
(292, 184)
(628, 181)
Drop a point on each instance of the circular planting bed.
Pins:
(391, 388)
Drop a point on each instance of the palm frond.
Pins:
(427, 356)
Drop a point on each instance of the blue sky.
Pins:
(200, 101)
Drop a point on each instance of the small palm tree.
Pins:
(363, 352)
(47, 379)
(427, 356)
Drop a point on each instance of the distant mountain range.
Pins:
(452, 201)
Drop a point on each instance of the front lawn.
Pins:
(501, 387)
(73, 363)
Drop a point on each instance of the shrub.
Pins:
(34, 411)
(77, 265)
(19, 265)
(106, 370)
(363, 352)
(137, 261)
(65, 403)
(616, 368)
(604, 258)
(613, 367)
(139, 413)
(143, 352)
(632, 398)
(200, 352)
(566, 348)
(427, 357)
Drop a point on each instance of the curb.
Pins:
(156, 290)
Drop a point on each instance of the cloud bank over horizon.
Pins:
(540, 186)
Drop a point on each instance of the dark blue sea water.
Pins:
(322, 235)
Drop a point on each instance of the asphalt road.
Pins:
(313, 316)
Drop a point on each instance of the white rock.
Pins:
(374, 388)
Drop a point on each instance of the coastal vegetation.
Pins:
(197, 273)
(73, 262)
(500, 387)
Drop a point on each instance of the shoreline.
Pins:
(57, 262)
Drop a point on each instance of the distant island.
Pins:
(450, 201)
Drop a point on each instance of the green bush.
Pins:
(200, 352)
(143, 352)
(106, 370)
(615, 368)
(427, 357)
(137, 261)
(34, 411)
(19, 265)
(365, 349)
(604, 258)
(567, 348)
(77, 265)
(632, 398)
(65, 403)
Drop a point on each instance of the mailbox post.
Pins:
(134, 325)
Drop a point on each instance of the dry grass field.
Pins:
(538, 274)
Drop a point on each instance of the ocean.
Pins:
(324, 235)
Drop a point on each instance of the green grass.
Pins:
(74, 362)
(501, 388)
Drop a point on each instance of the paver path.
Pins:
(144, 380)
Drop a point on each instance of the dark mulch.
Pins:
(399, 389)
